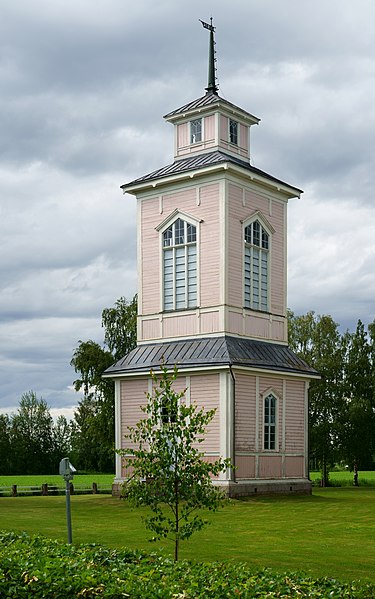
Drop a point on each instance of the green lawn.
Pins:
(331, 533)
(346, 478)
(37, 480)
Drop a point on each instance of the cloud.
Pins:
(83, 88)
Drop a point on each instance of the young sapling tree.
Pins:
(169, 472)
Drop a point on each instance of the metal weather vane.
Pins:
(212, 86)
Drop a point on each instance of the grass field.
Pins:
(80, 480)
(56, 480)
(331, 533)
(345, 478)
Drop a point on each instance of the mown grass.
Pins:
(331, 533)
(55, 479)
(345, 478)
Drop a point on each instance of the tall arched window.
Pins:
(256, 266)
(180, 266)
(270, 403)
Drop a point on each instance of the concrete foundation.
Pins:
(251, 487)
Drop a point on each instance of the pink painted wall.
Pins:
(205, 391)
(295, 416)
(203, 203)
(242, 204)
(244, 137)
(245, 416)
(257, 324)
(184, 147)
(149, 282)
(294, 466)
(243, 143)
(205, 210)
(245, 466)
(251, 460)
(270, 466)
(183, 135)
(237, 214)
(209, 257)
(150, 329)
(223, 128)
(132, 397)
(209, 322)
(209, 128)
(179, 325)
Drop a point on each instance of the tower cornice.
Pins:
(208, 164)
(209, 103)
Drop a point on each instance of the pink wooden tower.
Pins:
(212, 288)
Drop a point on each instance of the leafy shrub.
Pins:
(32, 566)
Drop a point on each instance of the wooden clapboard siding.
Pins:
(205, 392)
(270, 466)
(235, 243)
(294, 466)
(209, 128)
(150, 329)
(274, 385)
(278, 260)
(257, 325)
(132, 397)
(182, 135)
(245, 466)
(180, 325)
(209, 249)
(181, 200)
(245, 416)
(209, 322)
(295, 416)
(150, 282)
(244, 137)
(223, 128)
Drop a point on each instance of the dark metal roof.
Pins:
(212, 351)
(201, 161)
(210, 99)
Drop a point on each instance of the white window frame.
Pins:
(180, 254)
(233, 143)
(256, 258)
(270, 425)
(191, 134)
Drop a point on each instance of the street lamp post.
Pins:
(67, 472)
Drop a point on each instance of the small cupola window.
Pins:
(233, 132)
(195, 131)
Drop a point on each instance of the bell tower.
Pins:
(212, 288)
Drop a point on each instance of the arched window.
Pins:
(270, 403)
(180, 266)
(256, 267)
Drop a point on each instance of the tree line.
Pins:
(341, 403)
(31, 442)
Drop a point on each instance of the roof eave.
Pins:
(134, 372)
(246, 117)
(288, 190)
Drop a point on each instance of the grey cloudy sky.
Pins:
(83, 87)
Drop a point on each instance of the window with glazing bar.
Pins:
(233, 132)
(270, 422)
(180, 266)
(195, 131)
(256, 267)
